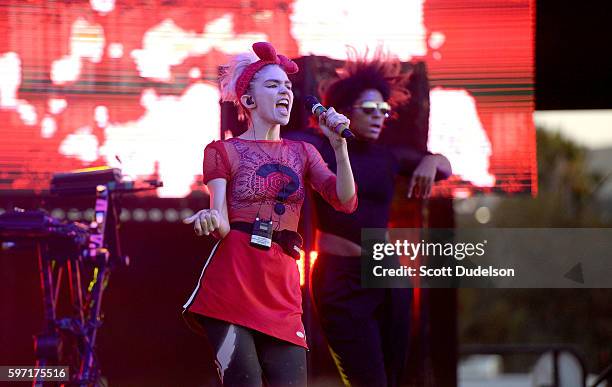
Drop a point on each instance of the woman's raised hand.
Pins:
(330, 120)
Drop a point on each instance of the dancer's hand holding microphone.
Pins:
(329, 120)
(334, 125)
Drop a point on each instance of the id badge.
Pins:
(261, 236)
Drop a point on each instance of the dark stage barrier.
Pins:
(143, 340)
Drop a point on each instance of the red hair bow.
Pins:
(267, 55)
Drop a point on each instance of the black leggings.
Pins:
(245, 357)
(367, 329)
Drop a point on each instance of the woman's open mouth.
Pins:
(283, 106)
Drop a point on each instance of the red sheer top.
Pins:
(264, 175)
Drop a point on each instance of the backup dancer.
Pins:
(367, 329)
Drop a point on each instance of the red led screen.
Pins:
(132, 84)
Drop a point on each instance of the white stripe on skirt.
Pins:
(201, 275)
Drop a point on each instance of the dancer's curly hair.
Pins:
(382, 72)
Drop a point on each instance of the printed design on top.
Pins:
(270, 177)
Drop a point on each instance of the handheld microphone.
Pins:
(315, 107)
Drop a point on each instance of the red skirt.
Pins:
(247, 286)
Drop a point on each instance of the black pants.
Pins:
(367, 329)
(245, 357)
